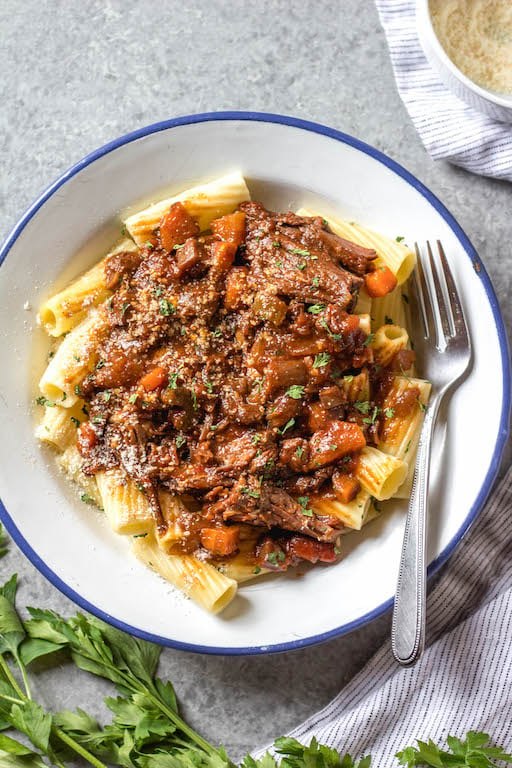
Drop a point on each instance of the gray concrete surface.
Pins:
(75, 75)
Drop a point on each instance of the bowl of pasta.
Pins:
(211, 376)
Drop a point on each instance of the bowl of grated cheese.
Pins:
(469, 44)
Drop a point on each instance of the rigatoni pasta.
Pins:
(230, 386)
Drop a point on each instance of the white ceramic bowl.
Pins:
(496, 105)
(288, 163)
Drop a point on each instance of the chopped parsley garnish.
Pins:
(126, 305)
(78, 390)
(299, 451)
(407, 447)
(302, 265)
(299, 251)
(371, 419)
(158, 292)
(295, 391)
(124, 231)
(64, 397)
(289, 424)
(315, 309)
(77, 358)
(51, 354)
(369, 339)
(217, 334)
(423, 407)
(209, 386)
(99, 365)
(140, 488)
(173, 378)
(405, 298)
(106, 395)
(166, 308)
(133, 398)
(272, 558)
(97, 420)
(279, 264)
(363, 406)
(44, 401)
(389, 413)
(76, 422)
(334, 336)
(257, 570)
(376, 505)
(321, 360)
(255, 438)
(180, 440)
(248, 492)
(149, 244)
(84, 410)
(259, 383)
(333, 446)
(303, 501)
(315, 281)
(388, 320)
(275, 244)
(178, 247)
(87, 499)
(348, 379)
(307, 512)
(399, 238)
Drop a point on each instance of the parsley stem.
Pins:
(10, 677)
(23, 671)
(12, 699)
(76, 747)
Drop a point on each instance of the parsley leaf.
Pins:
(44, 401)
(315, 309)
(166, 308)
(295, 392)
(321, 360)
(248, 492)
(289, 424)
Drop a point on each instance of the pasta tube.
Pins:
(70, 462)
(58, 426)
(127, 509)
(201, 581)
(61, 312)
(74, 360)
(205, 202)
(351, 514)
(379, 473)
(387, 341)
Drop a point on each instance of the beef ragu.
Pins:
(220, 379)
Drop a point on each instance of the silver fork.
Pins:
(443, 352)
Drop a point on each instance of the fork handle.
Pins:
(408, 627)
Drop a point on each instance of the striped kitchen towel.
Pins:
(449, 129)
(464, 679)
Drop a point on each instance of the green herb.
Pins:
(51, 354)
(146, 729)
(281, 556)
(256, 438)
(84, 410)
(289, 424)
(275, 244)
(133, 398)
(209, 386)
(315, 309)
(178, 247)
(158, 291)
(166, 308)
(77, 358)
(371, 419)
(369, 339)
(124, 231)
(399, 238)
(106, 395)
(315, 282)
(87, 499)
(321, 360)
(407, 447)
(299, 251)
(64, 397)
(78, 390)
(307, 512)
(303, 501)
(180, 440)
(140, 488)
(76, 422)
(376, 505)
(388, 320)
(422, 406)
(248, 492)
(295, 392)
(259, 384)
(389, 413)
(348, 379)
(125, 306)
(299, 451)
(217, 334)
(405, 298)
(334, 336)
(173, 379)
(44, 401)
(279, 264)
(149, 244)
(99, 365)
(272, 558)
(333, 446)
(363, 406)
(301, 265)
(194, 399)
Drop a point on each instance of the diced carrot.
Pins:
(87, 438)
(334, 442)
(176, 226)
(380, 282)
(230, 227)
(221, 541)
(346, 487)
(223, 255)
(153, 379)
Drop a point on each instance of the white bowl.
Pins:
(288, 163)
(496, 105)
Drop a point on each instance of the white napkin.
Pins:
(449, 129)
(464, 680)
